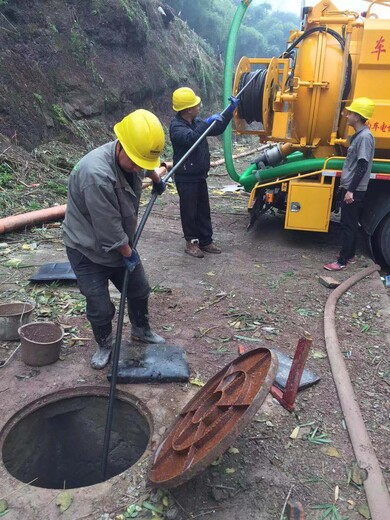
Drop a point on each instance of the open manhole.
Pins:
(57, 442)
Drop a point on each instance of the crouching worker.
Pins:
(103, 198)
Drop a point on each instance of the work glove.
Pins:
(159, 187)
(214, 117)
(131, 261)
(233, 104)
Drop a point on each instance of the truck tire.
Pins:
(381, 242)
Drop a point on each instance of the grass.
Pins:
(329, 511)
(59, 115)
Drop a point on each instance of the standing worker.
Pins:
(101, 217)
(190, 178)
(354, 178)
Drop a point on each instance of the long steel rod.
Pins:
(122, 304)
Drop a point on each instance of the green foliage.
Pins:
(33, 205)
(3, 2)
(6, 177)
(57, 187)
(58, 114)
(204, 74)
(39, 98)
(137, 16)
(263, 33)
(78, 43)
(329, 511)
(51, 302)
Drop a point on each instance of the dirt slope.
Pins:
(69, 69)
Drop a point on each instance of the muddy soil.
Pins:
(262, 291)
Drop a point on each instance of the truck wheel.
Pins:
(256, 211)
(381, 242)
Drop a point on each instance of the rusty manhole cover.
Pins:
(216, 415)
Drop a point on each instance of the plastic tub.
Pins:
(12, 316)
(41, 342)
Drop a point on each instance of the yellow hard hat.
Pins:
(183, 98)
(142, 138)
(363, 106)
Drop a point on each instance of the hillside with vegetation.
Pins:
(70, 70)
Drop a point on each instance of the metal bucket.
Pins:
(12, 316)
(41, 342)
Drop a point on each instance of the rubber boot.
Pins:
(140, 328)
(103, 337)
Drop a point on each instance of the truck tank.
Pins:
(296, 103)
(336, 57)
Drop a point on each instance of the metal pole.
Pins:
(122, 304)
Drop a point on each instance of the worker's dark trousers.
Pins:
(195, 211)
(93, 280)
(349, 222)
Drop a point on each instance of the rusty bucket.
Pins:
(41, 342)
(12, 316)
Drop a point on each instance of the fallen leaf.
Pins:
(331, 451)
(133, 510)
(234, 451)
(358, 474)
(364, 511)
(151, 507)
(217, 461)
(210, 273)
(336, 493)
(230, 470)
(13, 262)
(294, 433)
(196, 381)
(270, 424)
(317, 354)
(3, 506)
(165, 501)
(64, 501)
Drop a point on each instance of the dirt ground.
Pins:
(262, 291)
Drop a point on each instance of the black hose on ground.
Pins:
(122, 304)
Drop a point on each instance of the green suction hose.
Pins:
(293, 166)
(227, 84)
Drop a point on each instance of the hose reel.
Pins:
(257, 100)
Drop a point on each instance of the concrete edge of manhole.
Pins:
(69, 393)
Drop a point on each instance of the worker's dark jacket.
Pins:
(183, 135)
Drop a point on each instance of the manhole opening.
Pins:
(61, 444)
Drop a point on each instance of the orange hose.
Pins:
(23, 220)
(41, 216)
(375, 486)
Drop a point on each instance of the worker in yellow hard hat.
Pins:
(354, 178)
(190, 178)
(100, 222)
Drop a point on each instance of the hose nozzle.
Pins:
(272, 154)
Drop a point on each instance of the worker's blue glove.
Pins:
(131, 261)
(234, 102)
(159, 187)
(233, 105)
(214, 117)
